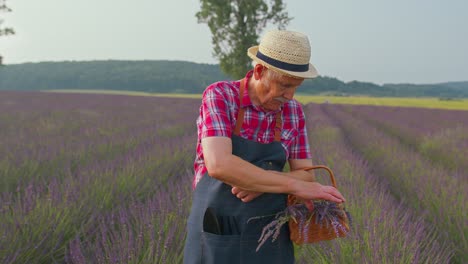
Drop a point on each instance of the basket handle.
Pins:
(332, 177)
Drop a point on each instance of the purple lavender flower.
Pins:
(325, 213)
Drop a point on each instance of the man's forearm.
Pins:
(301, 175)
(237, 172)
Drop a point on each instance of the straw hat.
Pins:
(287, 52)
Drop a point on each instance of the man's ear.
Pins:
(258, 71)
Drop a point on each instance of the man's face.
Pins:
(274, 91)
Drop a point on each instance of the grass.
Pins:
(428, 102)
(132, 93)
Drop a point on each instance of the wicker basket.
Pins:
(312, 230)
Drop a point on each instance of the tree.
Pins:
(235, 26)
(5, 31)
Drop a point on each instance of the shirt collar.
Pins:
(245, 97)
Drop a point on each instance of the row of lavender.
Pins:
(94, 179)
(439, 135)
(384, 230)
(434, 193)
(106, 179)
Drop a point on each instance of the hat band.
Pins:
(283, 65)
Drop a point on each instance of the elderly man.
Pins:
(247, 131)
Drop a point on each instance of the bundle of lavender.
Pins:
(326, 221)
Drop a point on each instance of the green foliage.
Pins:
(187, 77)
(146, 76)
(235, 26)
(7, 30)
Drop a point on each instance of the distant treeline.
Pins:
(186, 77)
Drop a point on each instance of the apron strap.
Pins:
(278, 127)
(240, 115)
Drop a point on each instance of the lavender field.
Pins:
(88, 178)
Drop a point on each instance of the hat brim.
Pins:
(311, 73)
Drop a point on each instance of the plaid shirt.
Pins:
(218, 115)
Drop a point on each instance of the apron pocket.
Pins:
(281, 251)
(220, 248)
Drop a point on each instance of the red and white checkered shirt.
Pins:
(218, 115)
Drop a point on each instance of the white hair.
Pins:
(270, 73)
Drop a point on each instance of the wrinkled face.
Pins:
(274, 89)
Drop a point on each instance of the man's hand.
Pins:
(315, 190)
(243, 195)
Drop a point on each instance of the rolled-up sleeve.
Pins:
(214, 113)
(299, 147)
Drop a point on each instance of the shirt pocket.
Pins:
(287, 138)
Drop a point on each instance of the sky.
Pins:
(393, 41)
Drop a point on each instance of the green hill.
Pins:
(186, 77)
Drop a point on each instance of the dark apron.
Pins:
(238, 240)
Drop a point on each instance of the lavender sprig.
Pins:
(327, 213)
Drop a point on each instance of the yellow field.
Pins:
(133, 93)
(460, 104)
